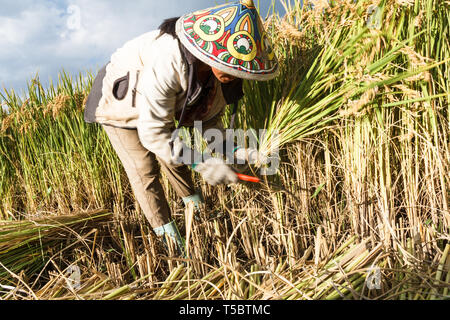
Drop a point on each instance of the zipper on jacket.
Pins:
(135, 89)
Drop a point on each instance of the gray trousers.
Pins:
(143, 171)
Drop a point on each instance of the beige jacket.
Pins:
(145, 85)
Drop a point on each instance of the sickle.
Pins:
(244, 177)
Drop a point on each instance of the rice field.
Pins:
(359, 208)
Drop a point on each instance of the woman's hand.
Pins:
(215, 171)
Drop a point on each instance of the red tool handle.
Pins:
(243, 177)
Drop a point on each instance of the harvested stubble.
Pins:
(344, 276)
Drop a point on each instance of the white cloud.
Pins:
(43, 36)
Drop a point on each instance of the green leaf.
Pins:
(319, 188)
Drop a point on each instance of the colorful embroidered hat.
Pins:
(230, 38)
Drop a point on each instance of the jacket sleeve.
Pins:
(160, 83)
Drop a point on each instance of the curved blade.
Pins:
(244, 177)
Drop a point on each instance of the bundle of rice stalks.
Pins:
(26, 247)
(350, 68)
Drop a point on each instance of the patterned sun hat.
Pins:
(230, 38)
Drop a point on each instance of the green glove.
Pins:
(196, 199)
(171, 230)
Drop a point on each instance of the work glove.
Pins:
(251, 155)
(171, 230)
(215, 172)
(196, 199)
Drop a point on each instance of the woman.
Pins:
(188, 70)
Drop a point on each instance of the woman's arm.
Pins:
(160, 84)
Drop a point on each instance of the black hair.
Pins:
(169, 26)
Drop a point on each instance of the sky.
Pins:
(47, 36)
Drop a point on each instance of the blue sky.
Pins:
(46, 36)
